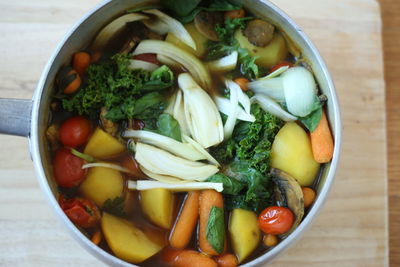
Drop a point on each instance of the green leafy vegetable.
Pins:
(168, 126)
(160, 79)
(181, 7)
(141, 8)
(82, 155)
(115, 206)
(312, 120)
(225, 152)
(231, 185)
(215, 232)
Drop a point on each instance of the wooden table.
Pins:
(352, 228)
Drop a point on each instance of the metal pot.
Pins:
(30, 118)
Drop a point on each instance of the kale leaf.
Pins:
(231, 185)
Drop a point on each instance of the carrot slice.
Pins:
(80, 62)
(227, 260)
(322, 141)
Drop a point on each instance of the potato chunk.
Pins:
(158, 205)
(102, 145)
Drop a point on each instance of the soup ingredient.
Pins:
(67, 168)
(199, 148)
(162, 162)
(284, 65)
(158, 177)
(180, 186)
(115, 206)
(102, 145)
(266, 56)
(168, 126)
(232, 116)
(206, 23)
(80, 62)
(97, 237)
(149, 57)
(201, 113)
(127, 241)
(322, 141)
(158, 205)
(132, 165)
(245, 233)
(259, 32)
(102, 184)
(300, 90)
(270, 240)
(75, 131)
(272, 88)
(184, 258)
(199, 39)
(112, 29)
(312, 120)
(211, 235)
(275, 220)
(224, 64)
(309, 196)
(272, 107)
(227, 260)
(164, 24)
(187, 60)
(289, 193)
(53, 136)
(243, 83)
(144, 65)
(183, 150)
(83, 156)
(231, 185)
(186, 221)
(68, 80)
(80, 211)
(235, 14)
(108, 125)
(106, 165)
(291, 152)
(223, 105)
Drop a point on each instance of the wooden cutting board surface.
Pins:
(352, 227)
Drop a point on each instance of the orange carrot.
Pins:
(322, 141)
(186, 221)
(235, 14)
(80, 62)
(207, 200)
(72, 82)
(227, 260)
(270, 240)
(308, 195)
(96, 237)
(242, 82)
(193, 258)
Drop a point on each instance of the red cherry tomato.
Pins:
(152, 58)
(80, 211)
(276, 220)
(280, 65)
(75, 131)
(67, 168)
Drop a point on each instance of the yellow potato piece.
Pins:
(198, 38)
(244, 232)
(102, 184)
(102, 145)
(158, 205)
(291, 152)
(269, 55)
(126, 241)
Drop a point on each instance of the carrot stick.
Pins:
(191, 258)
(80, 62)
(207, 200)
(96, 237)
(322, 141)
(227, 260)
(186, 222)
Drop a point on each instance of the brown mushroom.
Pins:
(206, 22)
(259, 32)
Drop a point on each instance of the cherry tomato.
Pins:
(80, 211)
(152, 58)
(75, 131)
(67, 168)
(280, 65)
(131, 164)
(275, 220)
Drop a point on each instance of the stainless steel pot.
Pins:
(30, 117)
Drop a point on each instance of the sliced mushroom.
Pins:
(206, 22)
(108, 126)
(259, 32)
(288, 193)
(52, 136)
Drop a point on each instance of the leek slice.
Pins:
(162, 178)
(178, 113)
(233, 114)
(171, 145)
(275, 73)
(223, 105)
(161, 162)
(187, 60)
(165, 24)
(272, 107)
(109, 31)
(106, 165)
(224, 64)
(272, 88)
(200, 149)
(147, 185)
(201, 113)
(144, 65)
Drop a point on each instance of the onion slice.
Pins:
(200, 149)
(233, 114)
(275, 73)
(144, 65)
(223, 105)
(182, 187)
(178, 113)
(272, 107)
(224, 64)
(162, 178)
(272, 88)
(106, 165)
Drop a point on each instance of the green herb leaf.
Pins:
(215, 232)
(82, 155)
(115, 206)
(231, 185)
(168, 126)
(160, 79)
(312, 120)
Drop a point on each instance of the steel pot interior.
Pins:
(82, 34)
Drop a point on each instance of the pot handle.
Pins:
(15, 116)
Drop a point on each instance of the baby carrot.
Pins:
(308, 195)
(207, 200)
(227, 260)
(193, 259)
(80, 62)
(186, 221)
(242, 82)
(96, 237)
(322, 141)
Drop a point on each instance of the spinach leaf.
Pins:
(312, 120)
(215, 232)
(115, 206)
(160, 79)
(181, 7)
(231, 185)
(168, 126)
